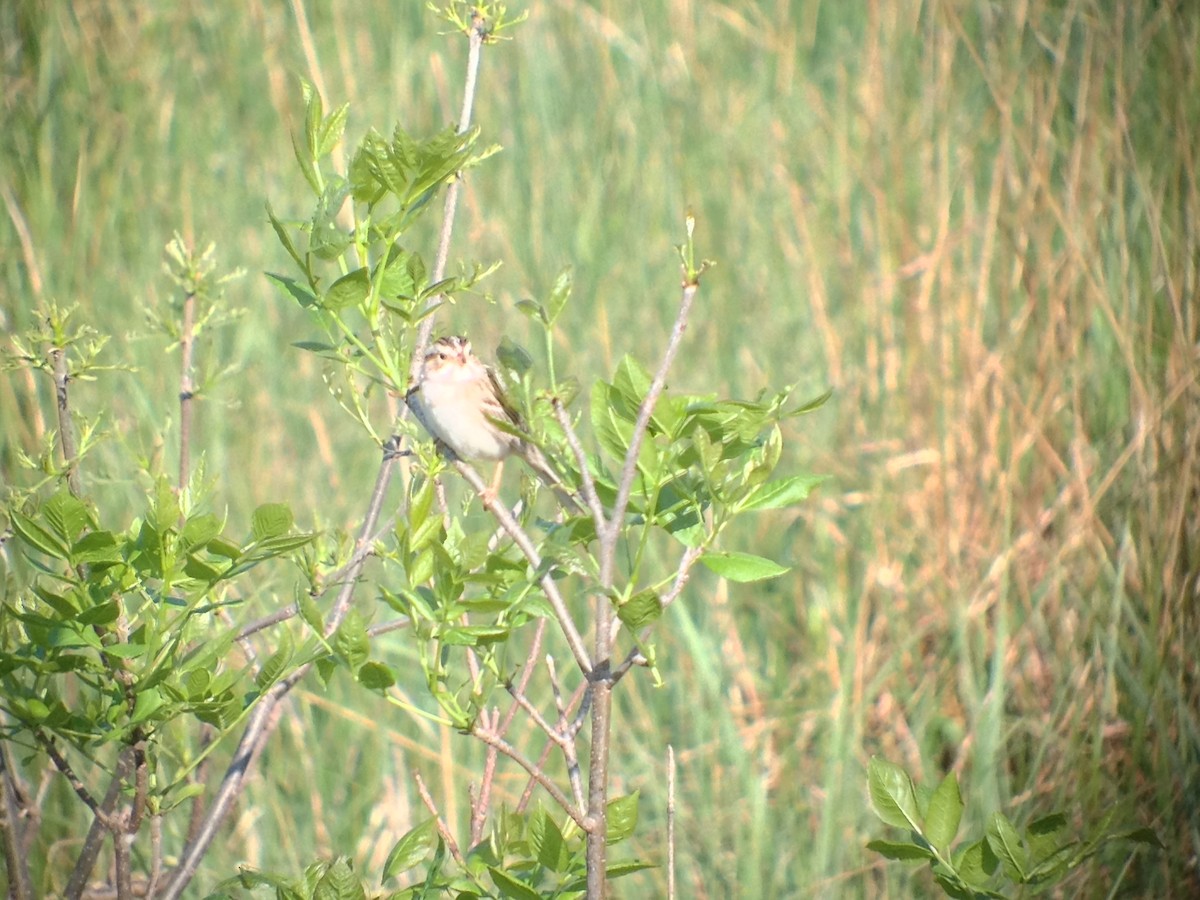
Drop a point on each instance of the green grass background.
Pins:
(977, 222)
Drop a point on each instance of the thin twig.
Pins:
(492, 739)
(567, 732)
(523, 801)
(479, 807)
(64, 766)
(534, 713)
(17, 864)
(657, 385)
(442, 827)
(585, 471)
(475, 45)
(601, 677)
(525, 544)
(101, 823)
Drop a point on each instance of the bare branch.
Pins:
(585, 471)
(625, 484)
(443, 829)
(580, 693)
(64, 766)
(101, 823)
(451, 205)
(525, 544)
(494, 740)
(17, 864)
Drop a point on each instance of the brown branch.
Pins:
(585, 472)
(17, 864)
(442, 827)
(494, 740)
(657, 385)
(474, 47)
(102, 822)
(561, 614)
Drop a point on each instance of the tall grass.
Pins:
(978, 222)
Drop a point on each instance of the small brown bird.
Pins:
(459, 400)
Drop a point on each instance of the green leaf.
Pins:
(975, 864)
(312, 118)
(559, 295)
(1139, 836)
(742, 567)
(289, 287)
(200, 529)
(66, 515)
(641, 609)
(533, 310)
(396, 279)
(510, 887)
(351, 641)
(331, 130)
(284, 238)
(411, 849)
(97, 548)
(1006, 844)
(146, 704)
(277, 662)
(100, 614)
(271, 520)
(1045, 836)
(547, 841)
(339, 883)
(944, 814)
(631, 383)
(782, 492)
(513, 357)
(349, 290)
(376, 676)
(622, 817)
(37, 537)
(892, 794)
(903, 850)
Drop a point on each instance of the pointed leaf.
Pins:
(892, 794)
(782, 493)
(944, 814)
(622, 817)
(411, 849)
(290, 287)
(904, 850)
(1006, 844)
(271, 520)
(349, 290)
(742, 567)
(510, 887)
(641, 609)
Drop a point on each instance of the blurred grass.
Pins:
(979, 224)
